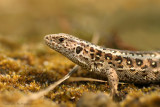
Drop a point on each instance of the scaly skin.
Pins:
(140, 67)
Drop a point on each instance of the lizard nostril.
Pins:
(46, 37)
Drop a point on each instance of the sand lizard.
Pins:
(141, 67)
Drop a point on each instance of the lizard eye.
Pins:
(61, 39)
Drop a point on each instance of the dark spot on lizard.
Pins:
(152, 63)
(87, 45)
(139, 62)
(78, 49)
(152, 54)
(124, 53)
(129, 61)
(136, 73)
(144, 71)
(99, 52)
(85, 51)
(144, 67)
(61, 39)
(120, 66)
(108, 56)
(86, 58)
(101, 60)
(126, 76)
(82, 44)
(92, 55)
(46, 37)
(114, 51)
(131, 53)
(91, 49)
(98, 65)
(132, 69)
(113, 64)
(144, 74)
(119, 59)
(156, 72)
(97, 58)
(139, 54)
(104, 48)
(110, 63)
(120, 70)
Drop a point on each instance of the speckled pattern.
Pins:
(142, 67)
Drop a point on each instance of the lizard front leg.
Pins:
(113, 81)
(111, 75)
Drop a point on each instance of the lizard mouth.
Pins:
(46, 37)
(52, 42)
(48, 40)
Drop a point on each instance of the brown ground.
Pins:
(28, 66)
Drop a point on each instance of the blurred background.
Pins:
(136, 22)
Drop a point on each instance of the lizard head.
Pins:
(68, 45)
(63, 43)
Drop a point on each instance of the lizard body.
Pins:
(141, 67)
